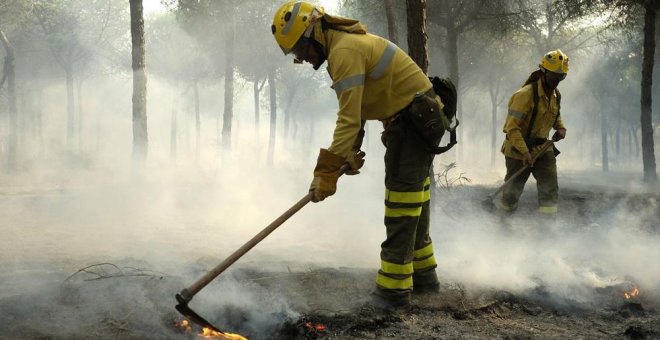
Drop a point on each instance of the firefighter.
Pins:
(533, 111)
(373, 80)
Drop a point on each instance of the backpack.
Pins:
(445, 88)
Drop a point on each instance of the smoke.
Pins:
(598, 241)
(77, 203)
(183, 218)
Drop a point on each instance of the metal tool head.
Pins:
(190, 314)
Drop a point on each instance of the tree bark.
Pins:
(392, 34)
(229, 92)
(198, 120)
(70, 107)
(418, 51)
(255, 93)
(493, 115)
(648, 156)
(140, 137)
(173, 121)
(39, 120)
(629, 157)
(603, 138)
(417, 38)
(10, 74)
(287, 115)
(273, 118)
(617, 140)
(79, 86)
(452, 50)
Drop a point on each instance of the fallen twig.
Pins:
(99, 272)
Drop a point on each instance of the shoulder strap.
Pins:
(452, 141)
(535, 92)
(558, 107)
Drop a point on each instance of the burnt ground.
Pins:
(127, 299)
(141, 308)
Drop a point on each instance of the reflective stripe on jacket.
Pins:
(373, 79)
(520, 115)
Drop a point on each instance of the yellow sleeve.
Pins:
(559, 123)
(520, 110)
(347, 69)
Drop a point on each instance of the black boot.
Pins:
(425, 282)
(390, 300)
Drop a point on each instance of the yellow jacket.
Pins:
(373, 80)
(519, 117)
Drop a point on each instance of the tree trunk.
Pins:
(70, 107)
(288, 111)
(636, 140)
(603, 138)
(173, 121)
(255, 93)
(229, 91)
(617, 141)
(629, 158)
(418, 51)
(648, 156)
(140, 137)
(452, 50)
(392, 34)
(79, 83)
(273, 118)
(39, 120)
(10, 74)
(287, 116)
(198, 120)
(417, 38)
(493, 132)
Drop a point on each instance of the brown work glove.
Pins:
(355, 160)
(326, 173)
(559, 135)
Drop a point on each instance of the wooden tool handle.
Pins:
(188, 293)
(545, 146)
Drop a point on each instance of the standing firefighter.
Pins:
(533, 111)
(375, 80)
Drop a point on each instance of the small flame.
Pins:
(631, 294)
(318, 327)
(184, 326)
(208, 333)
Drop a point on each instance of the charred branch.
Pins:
(109, 270)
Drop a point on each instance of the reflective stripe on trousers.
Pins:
(405, 210)
(545, 172)
(408, 248)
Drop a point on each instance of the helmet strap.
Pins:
(308, 37)
(319, 49)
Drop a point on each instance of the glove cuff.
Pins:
(328, 164)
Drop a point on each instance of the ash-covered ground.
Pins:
(76, 265)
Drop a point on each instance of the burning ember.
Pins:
(318, 327)
(302, 328)
(186, 327)
(631, 294)
(309, 330)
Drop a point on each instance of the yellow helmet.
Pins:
(292, 20)
(555, 61)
